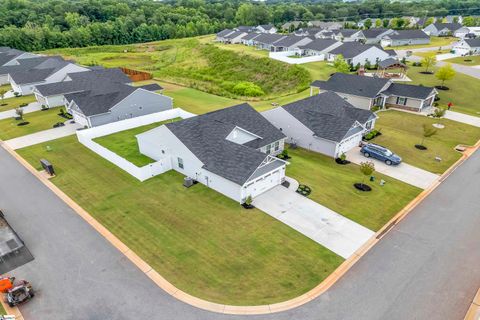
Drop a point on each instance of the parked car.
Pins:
(20, 293)
(58, 125)
(381, 153)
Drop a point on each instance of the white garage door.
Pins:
(80, 119)
(348, 144)
(263, 184)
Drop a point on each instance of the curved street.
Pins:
(425, 268)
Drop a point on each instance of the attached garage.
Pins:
(348, 144)
(264, 183)
(79, 118)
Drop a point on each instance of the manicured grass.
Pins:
(475, 60)
(124, 143)
(463, 91)
(2, 310)
(39, 120)
(201, 241)
(332, 186)
(12, 103)
(6, 87)
(424, 54)
(401, 131)
(434, 42)
(320, 70)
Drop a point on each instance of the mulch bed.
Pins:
(248, 206)
(23, 123)
(444, 88)
(426, 72)
(362, 187)
(420, 147)
(304, 190)
(342, 162)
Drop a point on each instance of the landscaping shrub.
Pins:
(247, 89)
(372, 134)
(304, 190)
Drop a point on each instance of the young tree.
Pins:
(445, 73)
(366, 168)
(2, 94)
(19, 112)
(429, 21)
(385, 23)
(367, 24)
(428, 132)
(340, 64)
(378, 23)
(429, 61)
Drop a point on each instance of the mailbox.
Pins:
(47, 166)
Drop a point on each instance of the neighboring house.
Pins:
(11, 57)
(291, 25)
(220, 37)
(234, 37)
(290, 43)
(421, 22)
(372, 36)
(53, 94)
(326, 34)
(112, 102)
(248, 40)
(467, 47)
(405, 37)
(246, 29)
(326, 25)
(410, 21)
(266, 28)
(319, 47)
(346, 35)
(51, 70)
(20, 66)
(311, 32)
(265, 41)
(367, 92)
(442, 29)
(357, 53)
(361, 23)
(323, 123)
(454, 19)
(467, 32)
(231, 150)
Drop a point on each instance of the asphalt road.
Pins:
(425, 268)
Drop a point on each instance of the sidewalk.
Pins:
(464, 118)
(43, 136)
(473, 312)
(32, 107)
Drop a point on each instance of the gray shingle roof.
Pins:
(373, 32)
(269, 38)
(319, 44)
(351, 49)
(40, 72)
(205, 136)
(9, 55)
(82, 81)
(409, 91)
(23, 65)
(225, 32)
(266, 26)
(473, 43)
(389, 62)
(3, 49)
(450, 26)
(234, 34)
(328, 115)
(352, 84)
(408, 34)
(251, 36)
(288, 41)
(347, 32)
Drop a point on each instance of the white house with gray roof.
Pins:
(53, 94)
(358, 53)
(290, 43)
(371, 36)
(266, 28)
(266, 41)
(11, 57)
(324, 123)
(231, 150)
(20, 66)
(467, 47)
(367, 92)
(442, 29)
(113, 101)
(53, 69)
(405, 37)
(319, 47)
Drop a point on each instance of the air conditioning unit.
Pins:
(187, 182)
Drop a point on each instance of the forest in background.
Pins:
(38, 25)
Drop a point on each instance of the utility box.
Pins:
(187, 182)
(47, 166)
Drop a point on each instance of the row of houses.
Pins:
(92, 95)
(233, 150)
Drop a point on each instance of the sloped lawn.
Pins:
(201, 241)
(332, 186)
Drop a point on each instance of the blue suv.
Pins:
(380, 153)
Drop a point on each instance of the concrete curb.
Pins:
(240, 310)
(13, 311)
(473, 312)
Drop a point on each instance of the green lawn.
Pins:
(424, 54)
(401, 131)
(332, 186)
(124, 143)
(475, 60)
(463, 91)
(12, 103)
(434, 42)
(201, 241)
(6, 87)
(39, 120)
(243, 49)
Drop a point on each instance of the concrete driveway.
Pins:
(43, 136)
(313, 220)
(404, 172)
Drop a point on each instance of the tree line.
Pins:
(37, 25)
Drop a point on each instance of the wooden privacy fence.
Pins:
(136, 75)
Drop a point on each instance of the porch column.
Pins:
(311, 91)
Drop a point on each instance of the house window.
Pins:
(277, 145)
(268, 149)
(180, 162)
(401, 101)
